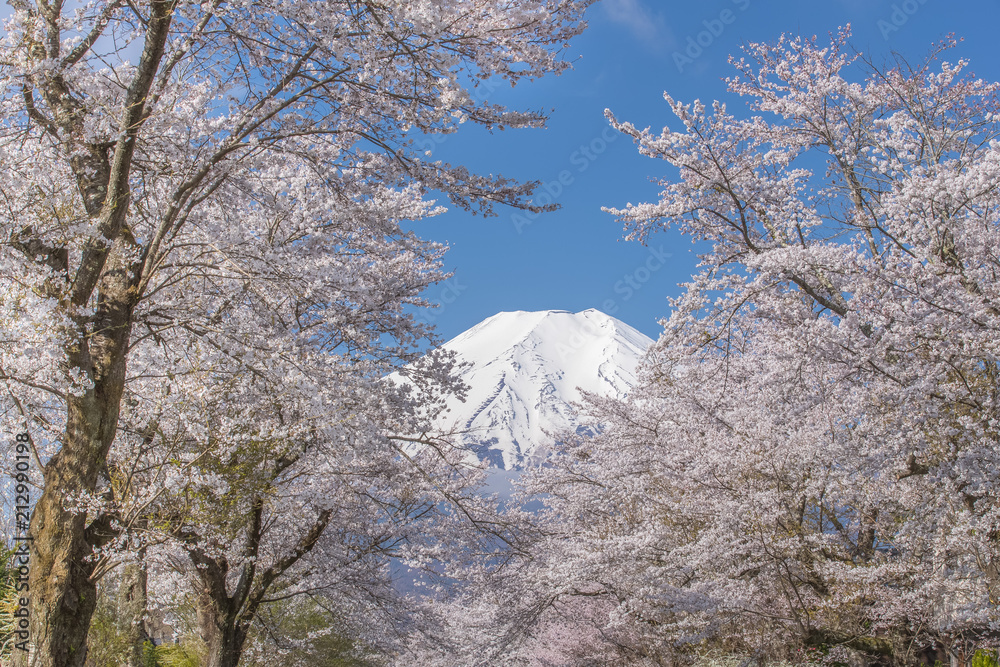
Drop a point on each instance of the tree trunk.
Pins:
(63, 596)
(225, 650)
(132, 597)
(223, 634)
(225, 619)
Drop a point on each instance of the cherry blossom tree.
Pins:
(213, 192)
(258, 511)
(809, 460)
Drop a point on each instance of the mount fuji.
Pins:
(525, 369)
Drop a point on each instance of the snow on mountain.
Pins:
(526, 368)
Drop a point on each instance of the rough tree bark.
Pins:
(225, 618)
(63, 592)
(133, 597)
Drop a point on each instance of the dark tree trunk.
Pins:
(225, 619)
(225, 647)
(218, 621)
(132, 597)
(63, 595)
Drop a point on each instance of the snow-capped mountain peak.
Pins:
(524, 371)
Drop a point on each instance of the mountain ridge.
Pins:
(524, 369)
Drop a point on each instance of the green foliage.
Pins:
(8, 605)
(300, 632)
(985, 659)
(189, 653)
(107, 641)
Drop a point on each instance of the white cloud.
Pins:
(648, 27)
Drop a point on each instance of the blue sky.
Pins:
(632, 52)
